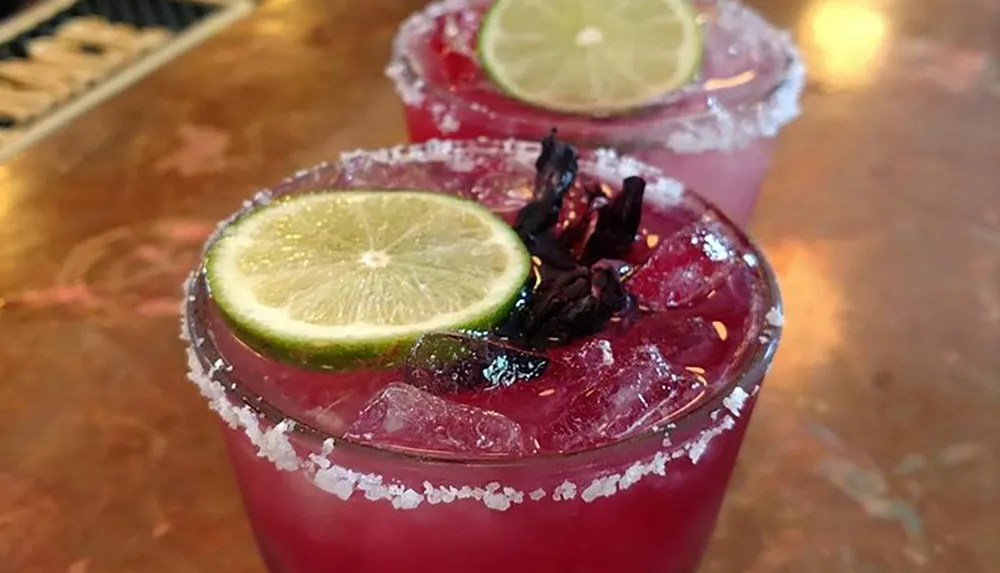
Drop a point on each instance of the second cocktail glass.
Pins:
(716, 135)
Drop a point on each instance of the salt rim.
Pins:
(661, 190)
(717, 129)
(273, 443)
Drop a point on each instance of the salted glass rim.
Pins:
(779, 102)
(764, 336)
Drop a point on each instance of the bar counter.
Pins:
(874, 448)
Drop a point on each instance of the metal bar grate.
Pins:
(59, 58)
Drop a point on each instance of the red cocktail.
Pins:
(716, 135)
(613, 456)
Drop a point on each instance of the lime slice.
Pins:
(590, 56)
(331, 277)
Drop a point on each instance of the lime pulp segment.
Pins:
(351, 274)
(590, 56)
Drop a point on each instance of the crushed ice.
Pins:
(408, 417)
(273, 444)
(685, 267)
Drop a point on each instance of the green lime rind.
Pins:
(694, 54)
(345, 346)
(341, 355)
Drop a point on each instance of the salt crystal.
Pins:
(712, 245)
(735, 400)
(274, 445)
(501, 500)
(600, 487)
(327, 447)
(408, 500)
(337, 485)
(663, 191)
(660, 189)
(449, 494)
(320, 461)
(444, 119)
(514, 495)
(774, 317)
(697, 448)
(564, 491)
(632, 475)
(659, 464)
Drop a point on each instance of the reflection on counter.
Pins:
(844, 40)
(814, 305)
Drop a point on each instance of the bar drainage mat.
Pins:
(59, 58)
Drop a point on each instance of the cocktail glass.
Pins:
(716, 136)
(319, 502)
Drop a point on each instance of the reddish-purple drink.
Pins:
(615, 457)
(716, 135)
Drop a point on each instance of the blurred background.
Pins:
(873, 449)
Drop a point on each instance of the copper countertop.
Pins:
(874, 449)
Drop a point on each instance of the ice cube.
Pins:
(684, 268)
(443, 363)
(503, 192)
(640, 391)
(405, 417)
(595, 355)
(684, 337)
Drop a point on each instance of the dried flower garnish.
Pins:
(556, 165)
(572, 304)
(577, 288)
(553, 253)
(556, 171)
(617, 222)
(576, 233)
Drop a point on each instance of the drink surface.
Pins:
(700, 302)
(744, 61)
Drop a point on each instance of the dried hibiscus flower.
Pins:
(577, 289)
(571, 304)
(556, 171)
(617, 222)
